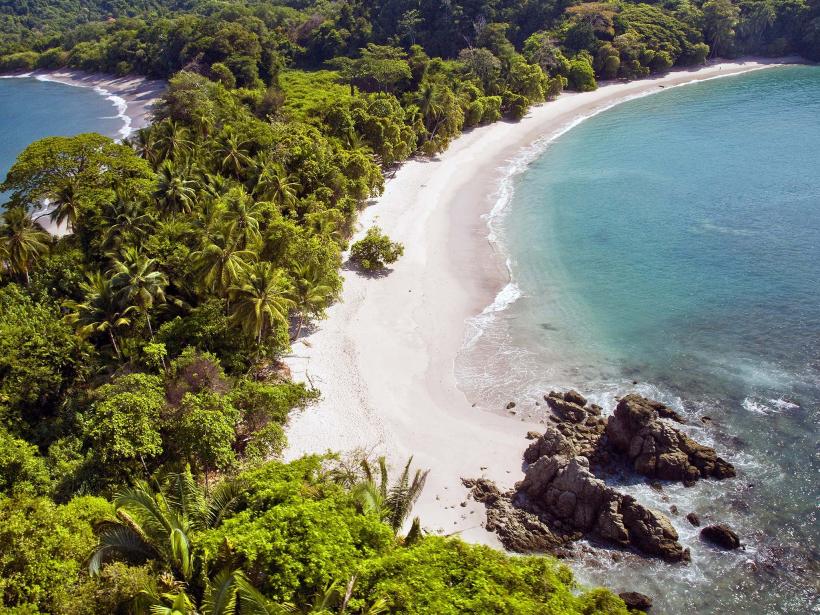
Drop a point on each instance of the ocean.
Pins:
(671, 246)
(31, 109)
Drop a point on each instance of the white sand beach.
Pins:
(383, 359)
(133, 95)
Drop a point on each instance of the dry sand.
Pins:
(383, 359)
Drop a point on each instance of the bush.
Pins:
(375, 250)
(23, 61)
(581, 76)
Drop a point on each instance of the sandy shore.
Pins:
(383, 359)
(132, 95)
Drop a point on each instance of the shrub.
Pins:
(375, 250)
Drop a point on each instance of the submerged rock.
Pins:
(636, 600)
(693, 519)
(657, 449)
(721, 535)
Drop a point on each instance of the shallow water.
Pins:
(675, 241)
(31, 109)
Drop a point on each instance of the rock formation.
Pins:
(567, 496)
(657, 449)
(721, 535)
(560, 499)
(636, 600)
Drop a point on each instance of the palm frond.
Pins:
(224, 498)
(118, 541)
(220, 595)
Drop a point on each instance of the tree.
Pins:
(22, 470)
(123, 421)
(392, 503)
(175, 191)
(275, 185)
(242, 218)
(22, 242)
(139, 283)
(581, 75)
(719, 20)
(261, 300)
(309, 293)
(100, 311)
(219, 264)
(379, 68)
(233, 154)
(42, 550)
(87, 167)
(375, 250)
(207, 431)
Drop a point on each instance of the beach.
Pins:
(383, 358)
(133, 95)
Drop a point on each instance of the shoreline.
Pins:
(133, 97)
(402, 398)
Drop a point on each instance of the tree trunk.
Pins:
(114, 344)
(299, 326)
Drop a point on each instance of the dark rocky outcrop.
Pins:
(519, 530)
(564, 493)
(693, 519)
(636, 600)
(561, 499)
(721, 535)
(657, 449)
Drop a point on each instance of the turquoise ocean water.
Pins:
(674, 241)
(31, 109)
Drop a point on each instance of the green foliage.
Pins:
(440, 575)
(122, 424)
(581, 76)
(207, 430)
(297, 532)
(41, 360)
(23, 471)
(375, 250)
(43, 547)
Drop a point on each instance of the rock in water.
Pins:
(693, 519)
(721, 535)
(657, 449)
(636, 600)
(562, 491)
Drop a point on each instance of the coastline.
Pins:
(132, 95)
(383, 359)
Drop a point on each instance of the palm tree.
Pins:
(139, 283)
(275, 185)
(100, 311)
(126, 218)
(65, 204)
(309, 293)
(242, 217)
(392, 504)
(220, 263)
(173, 140)
(22, 241)
(145, 144)
(158, 525)
(234, 154)
(175, 191)
(261, 300)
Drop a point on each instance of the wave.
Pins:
(120, 104)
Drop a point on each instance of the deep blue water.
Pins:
(32, 109)
(674, 240)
